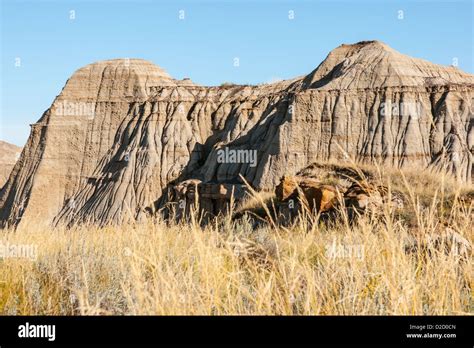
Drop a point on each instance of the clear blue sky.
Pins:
(203, 45)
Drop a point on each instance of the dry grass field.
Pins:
(233, 267)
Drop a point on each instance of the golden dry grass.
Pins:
(229, 267)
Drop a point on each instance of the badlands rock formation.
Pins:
(122, 132)
(9, 154)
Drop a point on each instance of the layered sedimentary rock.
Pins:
(9, 154)
(122, 132)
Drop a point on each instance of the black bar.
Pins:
(140, 330)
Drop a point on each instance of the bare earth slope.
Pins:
(9, 154)
(122, 131)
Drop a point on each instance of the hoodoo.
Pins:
(122, 132)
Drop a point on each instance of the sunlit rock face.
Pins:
(9, 154)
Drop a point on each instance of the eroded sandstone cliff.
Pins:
(122, 131)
